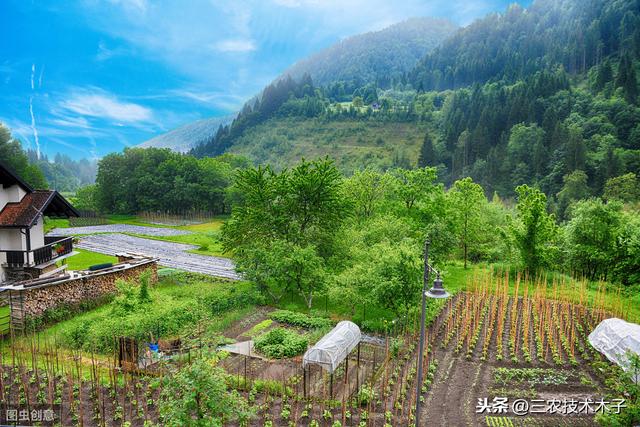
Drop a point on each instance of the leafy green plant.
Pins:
(197, 395)
(299, 319)
(279, 343)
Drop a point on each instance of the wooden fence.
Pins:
(181, 218)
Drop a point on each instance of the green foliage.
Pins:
(127, 299)
(155, 179)
(259, 328)
(399, 278)
(367, 189)
(197, 395)
(12, 155)
(64, 173)
(177, 304)
(86, 198)
(143, 295)
(467, 200)
(574, 188)
(281, 343)
(629, 389)
(301, 320)
(283, 225)
(625, 188)
(412, 185)
(381, 57)
(535, 231)
(366, 395)
(592, 235)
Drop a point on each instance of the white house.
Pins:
(25, 252)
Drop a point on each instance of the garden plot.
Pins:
(169, 254)
(483, 344)
(532, 349)
(118, 228)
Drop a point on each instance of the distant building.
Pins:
(375, 106)
(25, 252)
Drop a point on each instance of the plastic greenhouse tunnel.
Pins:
(334, 347)
(616, 339)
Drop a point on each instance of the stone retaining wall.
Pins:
(82, 289)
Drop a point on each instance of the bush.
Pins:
(299, 319)
(279, 343)
(174, 310)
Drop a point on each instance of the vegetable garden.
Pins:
(491, 340)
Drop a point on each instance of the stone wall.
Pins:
(82, 289)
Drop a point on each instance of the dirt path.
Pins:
(169, 254)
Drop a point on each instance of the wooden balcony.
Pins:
(54, 248)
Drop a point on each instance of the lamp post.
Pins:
(437, 291)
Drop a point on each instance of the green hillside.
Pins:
(355, 144)
(379, 57)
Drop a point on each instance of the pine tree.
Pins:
(626, 79)
(427, 152)
(603, 76)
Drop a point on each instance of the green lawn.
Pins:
(85, 259)
(205, 236)
(133, 220)
(50, 224)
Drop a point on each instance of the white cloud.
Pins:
(100, 104)
(139, 6)
(228, 101)
(235, 45)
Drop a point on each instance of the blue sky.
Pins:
(90, 77)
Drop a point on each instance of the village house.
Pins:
(25, 251)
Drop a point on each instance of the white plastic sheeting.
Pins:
(615, 338)
(334, 347)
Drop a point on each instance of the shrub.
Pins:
(143, 294)
(299, 319)
(174, 310)
(279, 343)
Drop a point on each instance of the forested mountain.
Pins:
(576, 34)
(546, 96)
(550, 97)
(186, 137)
(375, 59)
(379, 57)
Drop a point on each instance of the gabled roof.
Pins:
(24, 214)
(8, 178)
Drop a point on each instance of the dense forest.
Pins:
(379, 57)
(154, 179)
(528, 96)
(60, 173)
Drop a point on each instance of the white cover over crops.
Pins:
(334, 347)
(615, 338)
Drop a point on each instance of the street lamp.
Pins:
(437, 291)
